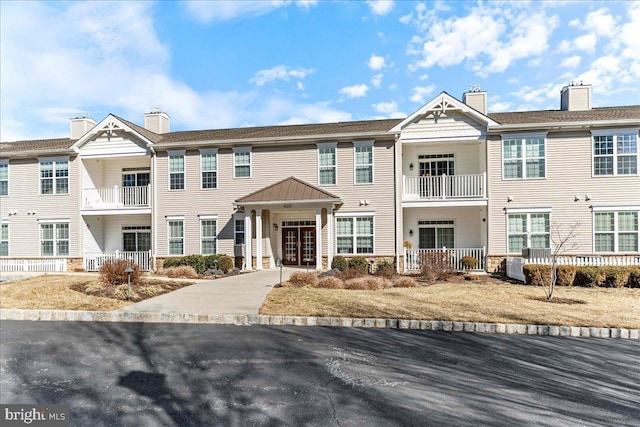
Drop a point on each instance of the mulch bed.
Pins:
(144, 290)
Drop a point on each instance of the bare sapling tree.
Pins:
(562, 242)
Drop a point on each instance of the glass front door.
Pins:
(299, 246)
(136, 241)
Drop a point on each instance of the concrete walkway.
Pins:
(241, 294)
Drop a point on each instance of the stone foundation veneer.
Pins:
(75, 264)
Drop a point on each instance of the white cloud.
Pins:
(280, 72)
(376, 80)
(586, 42)
(381, 7)
(355, 91)
(376, 62)
(419, 94)
(385, 107)
(207, 12)
(571, 61)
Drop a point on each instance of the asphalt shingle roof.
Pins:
(557, 116)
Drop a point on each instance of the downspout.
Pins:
(154, 209)
(395, 201)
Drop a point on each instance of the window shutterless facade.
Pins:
(208, 169)
(363, 162)
(528, 230)
(524, 158)
(54, 176)
(327, 164)
(176, 170)
(208, 235)
(4, 177)
(175, 236)
(242, 162)
(54, 239)
(4, 239)
(616, 231)
(354, 235)
(436, 234)
(615, 154)
(238, 230)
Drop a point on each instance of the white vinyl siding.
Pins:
(176, 171)
(175, 233)
(327, 164)
(4, 177)
(54, 176)
(209, 169)
(523, 158)
(242, 162)
(616, 231)
(363, 159)
(528, 230)
(54, 239)
(4, 239)
(208, 236)
(615, 154)
(354, 235)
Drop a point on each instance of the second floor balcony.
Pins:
(445, 187)
(116, 197)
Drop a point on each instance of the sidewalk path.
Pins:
(241, 294)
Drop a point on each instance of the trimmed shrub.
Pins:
(339, 262)
(404, 282)
(566, 275)
(330, 282)
(172, 262)
(471, 277)
(211, 261)
(589, 277)
(386, 268)
(300, 279)
(195, 261)
(468, 263)
(537, 274)
(367, 283)
(225, 263)
(616, 277)
(183, 271)
(634, 277)
(359, 263)
(112, 273)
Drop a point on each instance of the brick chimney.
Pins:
(79, 125)
(476, 98)
(156, 121)
(575, 97)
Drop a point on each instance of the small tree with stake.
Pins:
(562, 242)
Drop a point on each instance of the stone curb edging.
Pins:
(232, 319)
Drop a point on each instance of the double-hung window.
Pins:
(4, 239)
(327, 164)
(238, 230)
(54, 238)
(528, 230)
(4, 177)
(354, 235)
(175, 235)
(615, 153)
(208, 234)
(363, 162)
(209, 168)
(176, 170)
(616, 231)
(54, 176)
(242, 162)
(524, 157)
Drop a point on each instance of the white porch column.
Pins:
(319, 239)
(329, 237)
(247, 240)
(258, 239)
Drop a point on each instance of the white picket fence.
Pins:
(515, 264)
(448, 256)
(92, 261)
(47, 265)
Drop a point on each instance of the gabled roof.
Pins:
(444, 102)
(109, 124)
(36, 145)
(289, 189)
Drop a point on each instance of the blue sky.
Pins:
(215, 64)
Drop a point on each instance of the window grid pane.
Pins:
(239, 231)
(604, 221)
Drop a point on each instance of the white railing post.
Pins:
(443, 186)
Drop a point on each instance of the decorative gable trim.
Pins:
(109, 125)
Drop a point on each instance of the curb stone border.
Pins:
(249, 320)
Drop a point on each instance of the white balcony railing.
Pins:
(92, 261)
(445, 257)
(116, 197)
(445, 187)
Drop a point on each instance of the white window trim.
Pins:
(238, 217)
(327, 145)
(175, 218)
(527, 212)
(522, 137)
(242, 150)
(204, 152)
(209, 218)
(184, 169)
(353, 216)
(615, 133)
(357, 144)
(8, 224)
(54, 161)
(455, 235)
(615, 211)
(6, 162)
(53, 222)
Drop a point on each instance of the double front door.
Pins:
(299, 245)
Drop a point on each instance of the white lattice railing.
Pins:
(445, 187)
(413, 258)
(41, 264)
(92, 261)
(116, 197)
